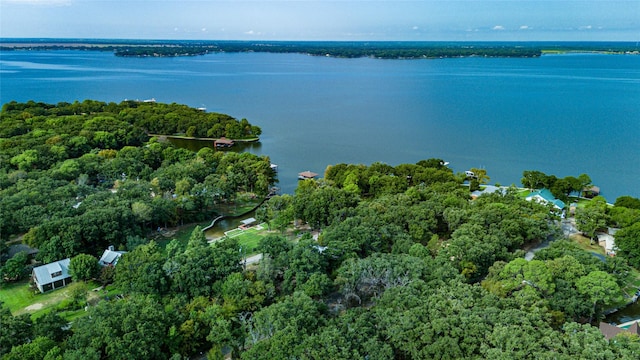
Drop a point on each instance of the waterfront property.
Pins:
(52, 276)
(544, 196)
(306, 175)
(247, 223)
(223, 143)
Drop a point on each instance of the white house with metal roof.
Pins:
(110, 257)
(52, 276)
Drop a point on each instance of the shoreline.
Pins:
(164, 137)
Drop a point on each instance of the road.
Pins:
(253, 259)
(568, 227)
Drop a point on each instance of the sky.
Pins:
(345, 20)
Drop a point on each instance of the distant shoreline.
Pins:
(340, 49)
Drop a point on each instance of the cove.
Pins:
(560, 114)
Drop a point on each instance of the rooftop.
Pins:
(51, 272)
(307, 174)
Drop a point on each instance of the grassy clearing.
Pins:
(233, 233)
(250, 238)
(21, 299)
(17, 296)
(249, 241)
(586, 244)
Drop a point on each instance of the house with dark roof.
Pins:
(110, 257)
(609, 331)
(52, 276)
(544, 196)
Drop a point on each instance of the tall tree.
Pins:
(83, 267)
(140, 271)
(601, 289)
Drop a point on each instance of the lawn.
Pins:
(17, 296)
(20, 298)
(250, 238)
(586, 244)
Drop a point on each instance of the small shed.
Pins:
(52, 276)
(306, 175)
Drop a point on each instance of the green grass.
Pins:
(233, 233)
(524, 193)
(19, 296)
(249, 239)
(586, 244)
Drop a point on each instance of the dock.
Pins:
(306, 175)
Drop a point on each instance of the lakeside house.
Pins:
(306, 175)
(223, 142)
(544, 196)
(110, 257)
(52, 276)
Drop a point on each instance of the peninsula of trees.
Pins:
(76, 177)
(369, 262)
(343, 49)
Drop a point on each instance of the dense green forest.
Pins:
(78, 177)
(405, 264)
(343, 49)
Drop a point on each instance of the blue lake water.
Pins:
(560, 114)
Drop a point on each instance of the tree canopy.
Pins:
(372, 262)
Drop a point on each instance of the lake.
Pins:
(560, 114)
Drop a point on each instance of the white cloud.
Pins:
(498, 27)
(525, 27)
(250, 32)
(415, 28)
(587, 27)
